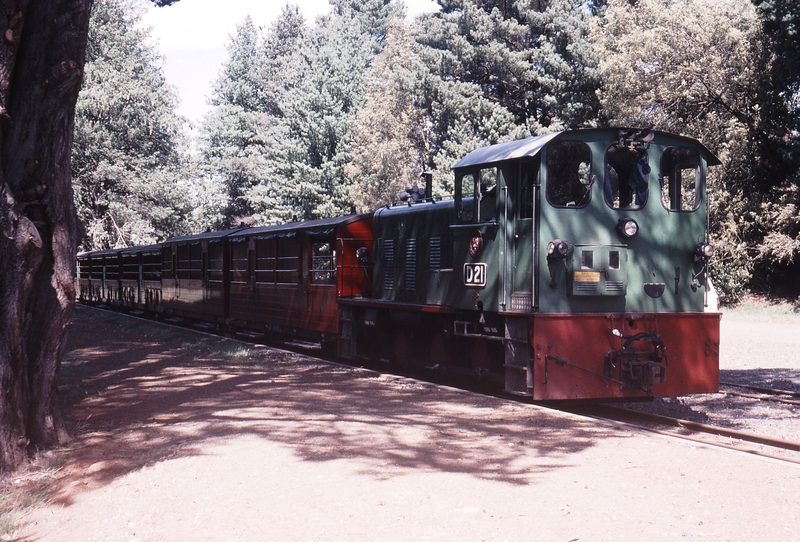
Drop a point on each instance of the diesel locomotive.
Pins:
(572, 265)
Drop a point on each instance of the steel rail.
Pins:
(771, 399)
(619, 415)
(768, 391)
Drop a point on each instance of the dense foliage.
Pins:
(127, 161)
(314, 119)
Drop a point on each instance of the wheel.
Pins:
(440, 354)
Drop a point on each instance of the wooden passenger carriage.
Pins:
(269, 279)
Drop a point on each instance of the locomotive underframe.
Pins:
(546, 357)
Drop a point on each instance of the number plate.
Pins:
(475, 275)
(587, 276)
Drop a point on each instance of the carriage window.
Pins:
(626, 177)
(196, 261)
(85, 268)
(569, 174)
(112, 267)
(184, 262)
(215, 261)
(265, 260)
(239, 260)
(166, 262)
(323, 263)
(680, 179)
(151, 266)
(488, 195)
(288, 264)
(130, 267)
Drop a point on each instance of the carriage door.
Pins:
(523, 240)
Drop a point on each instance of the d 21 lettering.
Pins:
(475, 275)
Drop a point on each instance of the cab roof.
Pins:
(531, 146)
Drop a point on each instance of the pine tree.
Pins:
(565, 71)
(242, 145)
(331, 70)
(374, 16)
(232, 144)
(284, 38)
(504, 69)
(240, 80)
(534, 59)
(128, 140)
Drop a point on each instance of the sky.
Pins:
(191, 36)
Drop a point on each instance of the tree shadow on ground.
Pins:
(136, 394)
(777, 378)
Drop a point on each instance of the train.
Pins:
(567, 266)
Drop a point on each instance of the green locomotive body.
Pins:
(574, 263)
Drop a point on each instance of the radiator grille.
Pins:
(615, 286)
(586, 286)
(411, 265)
(435, 262)
(388, 258)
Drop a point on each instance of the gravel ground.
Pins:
(754, 352)
(181, 438)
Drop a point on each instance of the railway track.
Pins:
(762, 394)
(740, 441)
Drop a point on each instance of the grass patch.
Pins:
(26, 490)
(232, 351)
(762, 308)
(226, 349)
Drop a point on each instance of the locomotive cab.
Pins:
(573, 265)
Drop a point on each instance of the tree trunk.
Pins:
(42, 48)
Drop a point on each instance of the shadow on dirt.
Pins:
(136, 393)
(777, 378)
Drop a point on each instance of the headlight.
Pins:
(557, 249)
(627, 227)
(363, 255)
(703, 252)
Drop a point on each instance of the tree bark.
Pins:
(42, 49)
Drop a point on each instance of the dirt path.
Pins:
(181, 437)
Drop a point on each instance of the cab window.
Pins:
(626, 177)
(465, 197)
(569, 174)
(528, 177)
(680, 178)
(476, 196)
